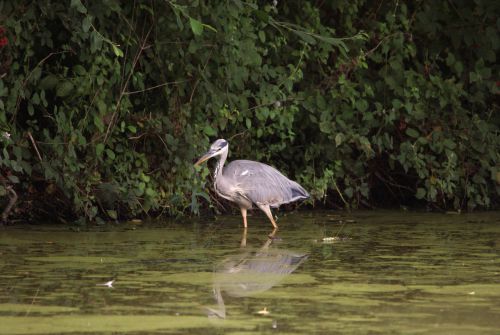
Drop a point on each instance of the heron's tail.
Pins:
(298, 193)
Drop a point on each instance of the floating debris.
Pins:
(334, 239)
(107, 284)
(340, 219)
(458, 212)
(264, 311)
(472, 293)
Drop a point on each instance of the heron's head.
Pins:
(217, 148)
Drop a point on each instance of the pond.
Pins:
(374, 272)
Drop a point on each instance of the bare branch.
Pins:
(155, 87)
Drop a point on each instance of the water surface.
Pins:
(322, 273)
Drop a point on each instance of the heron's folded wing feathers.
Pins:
(263, 184)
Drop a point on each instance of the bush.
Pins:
(104, 106)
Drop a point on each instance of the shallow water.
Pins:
(383, 273)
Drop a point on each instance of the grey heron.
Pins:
(249, 183)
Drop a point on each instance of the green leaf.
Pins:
(209, 27)
(305, 37)
(261, 15)
(112, 214)
(450, 60)
(101, 107)
(118, 52)
(449, 144)
(325, 127)
(98, 123)
(196, 26)
(150, 192)
(334, 41)
(86, 24)
(361, 105)
(262, 36)
(339, 138)
(420, 193)
(77, 4)
(412, 133)
(145, 178)
(99, 148)
(31, 109)
(64, 88)
(49, 82)
(203, 195)
(13, 179)
(209, 131)
(110, 154)
(79, 70)
(18, 152)
(35, 99)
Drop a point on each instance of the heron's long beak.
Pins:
(204, 158)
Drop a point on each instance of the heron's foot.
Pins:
(273, 233)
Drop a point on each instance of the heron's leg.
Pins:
(270, 239)
(244, 214)
(243, 242)
(266, 209)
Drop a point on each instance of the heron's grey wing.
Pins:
(263, 184)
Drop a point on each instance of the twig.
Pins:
(272, 103)
(340, 193)
(162, 141)
(155, 87)
(137, 137)
(238, 134)
(198, 80)
(32, 301)
(41, 62)
(125, 85)
(25, 81)
(34, 146)
(340, 229)
(377, 174)
(369, 52)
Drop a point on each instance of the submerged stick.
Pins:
(13, 199)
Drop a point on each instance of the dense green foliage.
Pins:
(105, 104)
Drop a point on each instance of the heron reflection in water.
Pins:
(249, 183)
(250, 273)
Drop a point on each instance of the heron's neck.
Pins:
(220, 165)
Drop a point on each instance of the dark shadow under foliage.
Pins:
(104, 105)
